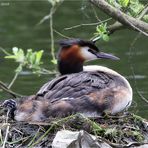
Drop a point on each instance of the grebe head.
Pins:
(74, 52)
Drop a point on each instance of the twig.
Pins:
(46, 17)
(137, 28)
(13, 80)
(40, 139)
(142, 97)
(1, 137)
(52, 10)
(143, 12)
(52, 125)
(49, 72)
(5, 140)
(50, 17)
(25, 138)
(95, 13)
(33, 139)
(117, 25)
(4, 51)
(62, 35)
(7, 130)
(5, 88)
(89, 24)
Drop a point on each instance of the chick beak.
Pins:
(103, 55)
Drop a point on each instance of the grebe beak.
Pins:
(103, 55)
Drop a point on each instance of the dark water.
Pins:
(18, 27)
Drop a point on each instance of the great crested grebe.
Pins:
(90, 90)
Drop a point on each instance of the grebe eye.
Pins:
(91, 51)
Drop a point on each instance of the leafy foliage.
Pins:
(30, 60)
(124, 3)
(135, 7)
(145, 18)
(131, 7)
(101, 32)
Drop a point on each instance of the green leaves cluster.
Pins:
(31, 60)
(101, 32)
(119, 3)
(135, 7)
(145, 18)
(124, 3)
(131, 7)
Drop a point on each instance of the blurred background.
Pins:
(19, 28)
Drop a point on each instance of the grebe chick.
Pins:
(90, 90)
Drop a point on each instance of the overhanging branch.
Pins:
(126, 20)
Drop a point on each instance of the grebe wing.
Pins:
(75, 85)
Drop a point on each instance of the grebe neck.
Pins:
(69, 67)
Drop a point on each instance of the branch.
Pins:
(5, 88)
(90, 24)
(124, 19)
(116, 26)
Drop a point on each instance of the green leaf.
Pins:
(39, 56)
(101, 32)
(105, 37)
(31, 60)
(145, 18)
(102, 28)
(15, 50)
(20, 57)
(10, 57)
(135, 7)
(115, 3)
(54, 61)
(28, 55)
(19, 69)
(124, 3)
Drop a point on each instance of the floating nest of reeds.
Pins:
(124, 130)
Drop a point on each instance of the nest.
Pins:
(118, 131)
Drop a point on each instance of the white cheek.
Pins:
(86, 54)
